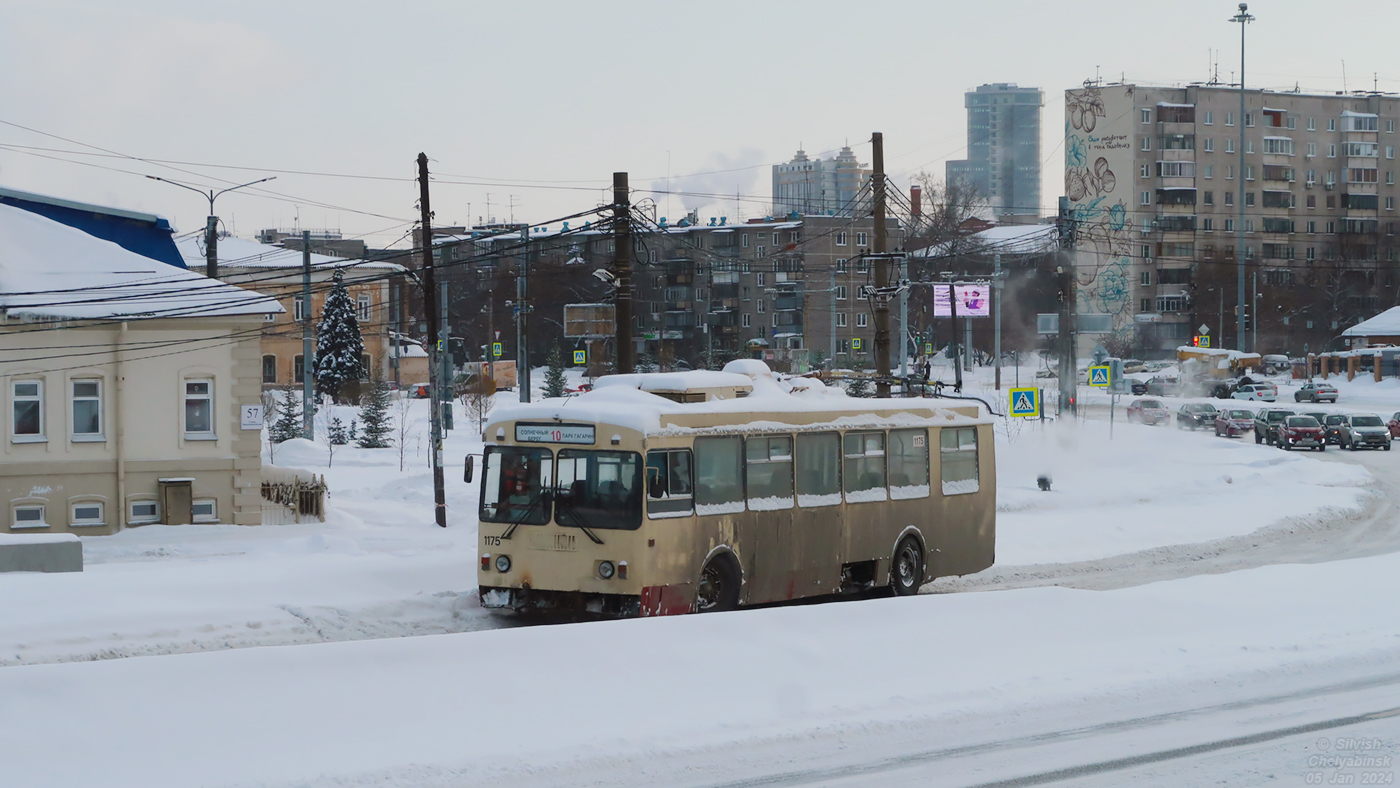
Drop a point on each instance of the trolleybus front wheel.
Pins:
(719, 585)
(907, 568)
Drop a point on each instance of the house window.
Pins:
(298, 309)
(1145, 171)
(1210, 170)
(1209, 118)
(1331, 124)
(1146, 116)
(1145, 279)
(1390, 203)
(860, 240)
(744, 240)
(298, 369)
(841, 238)
(862, 266)
(747, 320)
(862, 320)
(29, 516)
(1229, 224)
(87, 409)
(1292, 123)
(1312, 227)
(86, 513)
(1229, 199)
(1147, 143)
(840, 292)
(28, 410)
(1209, 145)
(1229, 119)
(840, 319)
(760, 278)
(1312, 124)
(1208, 224)
(1390, 151)
(841, 265)
(762, 306)
(204, 510)
(1249, 120)
(1229, 172)
(199, 409)
(1208, 198)
(843, 346)
(1331, 151)
(1390, 127)
(364, 306)
(1312, 149)
(1146, 198)
(1311, 251)
(1249, 146)
(1229, 146)
(143, 511)
(1144, 251)
(269, 369)
(366, 364)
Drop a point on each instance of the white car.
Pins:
(1255, 392)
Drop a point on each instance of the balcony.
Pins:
(680, 320)
(1175, 223)
(786, 302)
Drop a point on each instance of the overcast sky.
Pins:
(545, 100)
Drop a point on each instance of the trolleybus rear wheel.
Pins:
(719, 585)
(907, 568)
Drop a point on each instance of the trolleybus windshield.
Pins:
(514, 483)
(600, 489)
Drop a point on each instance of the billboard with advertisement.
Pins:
(974, 300)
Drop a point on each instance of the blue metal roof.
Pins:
(145, 234)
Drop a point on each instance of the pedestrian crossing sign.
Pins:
(1025, 403)
(928, 348)
(580, 357)
(1098, 376)
(855, 343)
(496, 349)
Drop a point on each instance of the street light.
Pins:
(1243, 18)
(211, 225)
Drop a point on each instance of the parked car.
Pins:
(1131, 365)
(1046, 373)
(1156, 366)
(1233, 423)
(1275, 363)
(420, 390)
(1148, 411)
(1195, 416)
(1255, 393)
(1164, 386)
(1266, 424)
(1138, 387)
(1394, 425)
(1332, 426)
(1315, 392)
(1301, 432)
(1365, 431)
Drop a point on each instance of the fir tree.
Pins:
(645, 362)
(288, 424)
(338, 342)
(554, 384)
(858, 387)
(374, 414)
(337, 433)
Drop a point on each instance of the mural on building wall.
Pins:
(1101, 216)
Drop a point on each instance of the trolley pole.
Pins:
(622, 271)
(430, 304)
(882, 271)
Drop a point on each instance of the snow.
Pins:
(242, 253)
(732, 507)
(865, 496)
(13, 539)
(1386, 323)
(677, 381)
(770, 504)
(829, 499)
(961, 487)
(909, 491)
(48, 269)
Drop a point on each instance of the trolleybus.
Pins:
(657, 494)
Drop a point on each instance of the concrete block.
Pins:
(40, 553)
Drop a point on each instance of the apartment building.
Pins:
(1003, 148)
(1155, 180)
(821, 187)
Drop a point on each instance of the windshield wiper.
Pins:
(535, 502)
(579, 522)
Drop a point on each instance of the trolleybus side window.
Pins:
(513, 485)
(719, 485)
(958, 450)
(865, 466)
(669, 491)
(599, 489)
(768, 472)
(818, 469)
(908, 464)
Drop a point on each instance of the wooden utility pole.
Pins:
(308, 350)
(522, 317)
(622, 272)
(430, 305)
(882, 271)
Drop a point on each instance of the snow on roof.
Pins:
(242, 253)
(622, 405)
(1004, 238)
(1267, 137)
(1217, 351)
(677, 381)
(1349, 114)
(1271, 109)
(1169, 104)
(1386, 323)
(48, 269)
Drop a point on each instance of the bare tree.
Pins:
(477, 399)
(403, 426)
(947, 205)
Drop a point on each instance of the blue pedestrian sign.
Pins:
(496, 349)
(1099, 377)
(855, 343)
(580, 357)
(1025, 403)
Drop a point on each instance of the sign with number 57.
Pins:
(250, 417)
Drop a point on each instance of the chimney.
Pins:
(916, 195)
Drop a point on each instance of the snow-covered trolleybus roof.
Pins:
(745, 395)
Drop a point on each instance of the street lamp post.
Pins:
(1243, 18)
(211, 225)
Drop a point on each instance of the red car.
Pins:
(1233, 423)
(1301, 432)
(1148, 411)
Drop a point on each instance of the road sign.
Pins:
(928, 348)
(1098, 376)
(855, 343)
(580, 357)
(1204, 329)
(1204, 341)
(496, 349)
(1025, 403)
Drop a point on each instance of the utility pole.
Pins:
(622, 272)
(430, 305)
(1243, 17)
(831, 318)
(308, 352)
(996, 304)
(882, 270)
(1065, 273)
(522, 316)
(953, 334)
(445, 375)
(211, 224)
(491, 335)
(904, 326)
(396, 299)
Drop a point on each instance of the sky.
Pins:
(529, 107)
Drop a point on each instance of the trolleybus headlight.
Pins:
(606, 570)
(503, 563)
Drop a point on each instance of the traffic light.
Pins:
(1195, 341)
